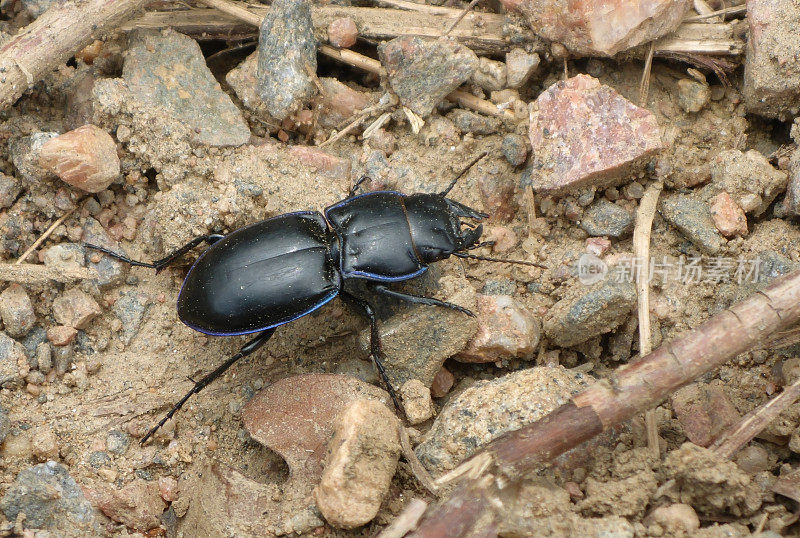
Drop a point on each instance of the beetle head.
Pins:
(436, 226)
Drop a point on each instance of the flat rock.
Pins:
(506, 329)
(416, 344)
(585, 133)
(363, 459)
(488, 409)
(772, 59)
(50, 499)
(287, 57)
(295, 416)
(75, 308)
(138, 505)
(693, 219)
(165, 70)
(423, 71)
(589, 311)
(604, 218)
(598, 28)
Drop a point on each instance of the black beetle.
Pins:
(275, 271)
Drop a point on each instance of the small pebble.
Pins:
(45, 444)
(729, 218)
(85, 158)
(416, 401)
(514, 149)
(692, 95)
(520, 66)
(676, 519)
(442, 383)
(490, 75)
(168, 487)
(16, 309)
(342, 33)
(117, 442)
(753, 459)
(61, 335)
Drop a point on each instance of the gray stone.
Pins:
(589, 311)
(24, 154)
(167, 72)
(16, 309)
(11, 354)
(514, 149)
(520, 65)
(693, 219)
(117, 442)
(490, 408)
(110, 272)
(44, 357)
(604, 218)
(50, 499)
(415, 345)
(469, 122)
(422, 72)
(5, 424)
(36, 336)
(65, 256)
(130, 310)
(287, 57)
(10, 188)
(693, 95)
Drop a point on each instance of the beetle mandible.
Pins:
(270, 273)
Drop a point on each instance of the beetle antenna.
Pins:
(464, 171)
(488, 259)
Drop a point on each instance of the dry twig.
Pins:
(45, 235)
(641, 250)
(53, 38)
(407, 521)
(34, 273)
(754, 422)
(629, 390)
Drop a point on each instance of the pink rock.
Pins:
(295, 416)
(772, 59)
(728, 217)
(598, 245)
(442, 383)
(138, 505)
(328, 164)
(506, 329)
(340, 103)
(75, 308)
(85, 158)
(704, 411)
(61, 335)
(584, 133)
(342, 33)
(601, 27)
(168, 488)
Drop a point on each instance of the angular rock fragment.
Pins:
(363, 459)
(138, 505)
(693, 219)
(506, 329)
(287, 57)
(490, 408)
(772, 59)
(16, 310)
(520, 65)
(75, 308)
(597, 27)
(417, 401)
(589, 311)
(166, 71)
(85, 158)
(749, 178)
(728, 217)
(584, 133)
(422, 72)
(295, 416)
(704, 411)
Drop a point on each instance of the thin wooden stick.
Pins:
(641, 251)
(754, 422)
(45, 235)
(407, 521)
(53, 38)
(461, 16)
(734, 10)
(629, 390)
(644, 85)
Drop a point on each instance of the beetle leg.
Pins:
(418, 299)
(246, 350)
(158, 265)
(357, 184)
(374, 342)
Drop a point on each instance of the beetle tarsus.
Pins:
(357, 184)
(417, 299)
(246, 350)
(160, 265)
